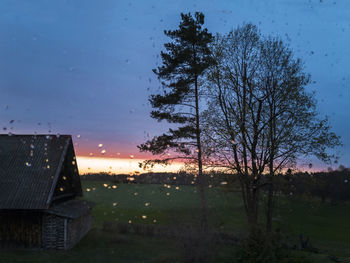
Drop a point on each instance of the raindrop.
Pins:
(28, 164)
(100, 145)
(78, 136)
(103, 151)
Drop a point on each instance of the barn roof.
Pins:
(30, 166)
(72, 208)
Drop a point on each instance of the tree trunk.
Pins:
(270, 196)
(270, 205)
(252, 207)
(204, 221)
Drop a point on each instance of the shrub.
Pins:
(259, 248)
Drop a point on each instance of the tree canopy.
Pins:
(185, 60)
(261, 117)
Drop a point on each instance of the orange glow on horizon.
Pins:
(119, 165)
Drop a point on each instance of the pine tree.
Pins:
(185, 61)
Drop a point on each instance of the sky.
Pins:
(84, 67)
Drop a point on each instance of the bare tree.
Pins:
(261, 118)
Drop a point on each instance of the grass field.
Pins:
(327, 226)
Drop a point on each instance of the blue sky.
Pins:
(85, 67)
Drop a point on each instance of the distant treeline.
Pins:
(181, 178)
(331, 186)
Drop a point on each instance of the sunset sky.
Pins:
(84, 67)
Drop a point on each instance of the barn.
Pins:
(40, 193)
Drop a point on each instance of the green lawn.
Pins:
(327, 226)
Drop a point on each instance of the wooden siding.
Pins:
(77, 229)
(20, 230)
(53, 232)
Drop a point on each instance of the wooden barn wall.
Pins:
(77, 229)
(69, 181)
(53, 236)
(20, 230)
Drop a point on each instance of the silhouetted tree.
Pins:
(261, 118)
(186, 58)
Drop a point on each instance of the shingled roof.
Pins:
(30, 168)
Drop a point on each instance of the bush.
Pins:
(259, 248)
(196, 247)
